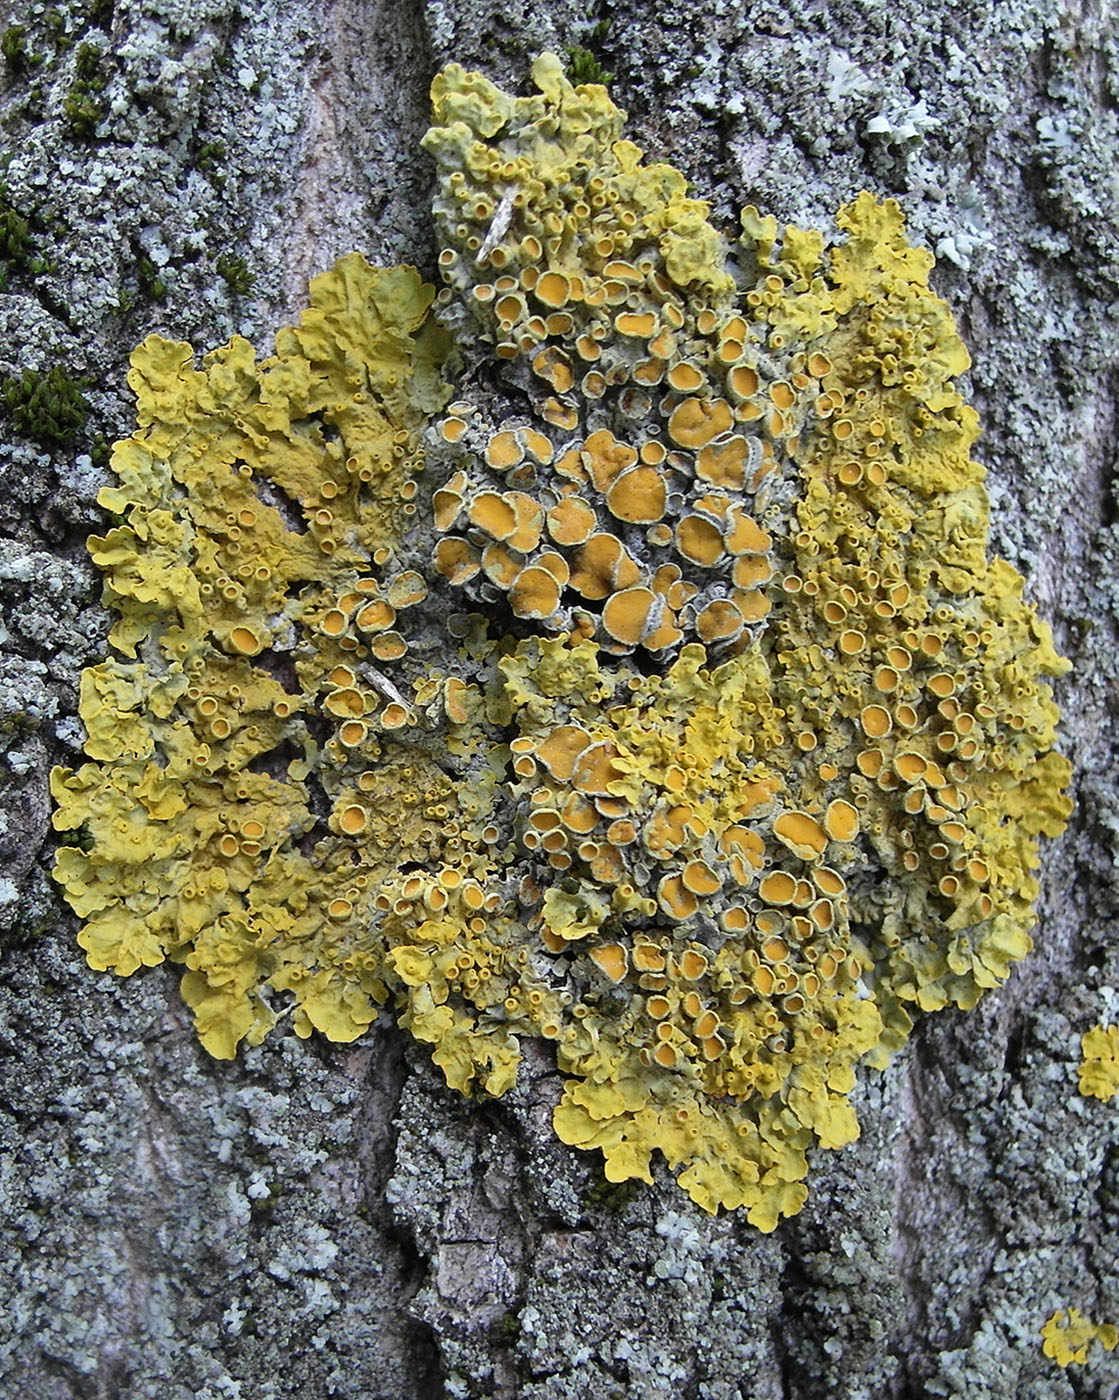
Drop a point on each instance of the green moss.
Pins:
(87, 66)
(47, 408)
(83, 107)
(611, 1195)
(505, 1330)
(17, 249)
(584, 67)
(83, 839)
(15, 234)
(208, 154)
(13, 47)
(83, 112)
(152, 285)
(583, 62)
(234, 270)
(54, 21)
(263, 1206)
(612, 1004)
(208, 159)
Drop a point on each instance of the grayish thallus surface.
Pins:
(318, 1221)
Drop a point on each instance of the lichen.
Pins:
(707, 743)
(1099, 1065)
(1068, 1336)
(198, 799)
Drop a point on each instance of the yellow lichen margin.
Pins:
(1099, 1066)
(1069, 1334)
(713, 746)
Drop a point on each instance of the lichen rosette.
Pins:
(651, 691)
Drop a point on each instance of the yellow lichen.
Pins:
(707, 743)
(1068, 1336)
(197, 803)
(1099, 1065)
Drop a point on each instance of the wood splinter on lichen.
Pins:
(676, 738)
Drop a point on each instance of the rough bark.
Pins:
(314, 1220)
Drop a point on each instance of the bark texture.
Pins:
(318, 1221)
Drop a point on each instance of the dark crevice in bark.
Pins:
(385, 1083)
(789, 1325)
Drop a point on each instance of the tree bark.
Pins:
(315, 1220)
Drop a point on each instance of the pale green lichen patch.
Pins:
(736, 756)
